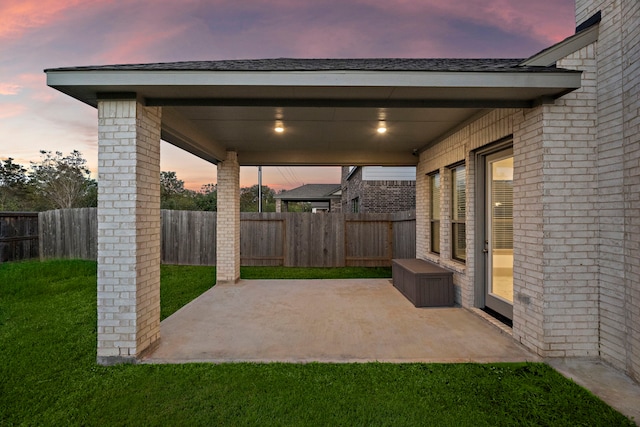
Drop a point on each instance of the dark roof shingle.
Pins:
(292, 64)
(309, 192)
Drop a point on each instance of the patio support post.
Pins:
(228, 220)
(128, 230)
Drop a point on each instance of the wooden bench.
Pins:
(425, 284)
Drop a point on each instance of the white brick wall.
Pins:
(631, 139)
(228, 220)
(555, 237)
(528, 210)
(128, 229)
(618, 134)
(487, 129)
(576, 201)
(570, 197)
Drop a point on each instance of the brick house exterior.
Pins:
(321, 197)
(558, 142)
(366, 194)
(576, 201)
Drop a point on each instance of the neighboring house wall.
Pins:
(352, 188)
(389, 196)
(378, 189)
(335, 205)
(576, 203)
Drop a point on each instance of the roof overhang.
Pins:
(565, 48)
(330, 117)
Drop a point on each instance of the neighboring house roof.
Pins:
(311, 192)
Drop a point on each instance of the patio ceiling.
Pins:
(330, 109)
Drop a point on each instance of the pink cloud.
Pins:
(540, 18)
(37, 86)
(11, 110)
(37, 34)
(9, 89)
(139, 44)
(18, 16)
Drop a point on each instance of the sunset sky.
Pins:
(39, 34)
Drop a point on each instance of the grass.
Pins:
(180, 284)
(48, 374)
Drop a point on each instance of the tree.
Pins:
(207, 198)
(14, 188)
(299, 207)
(62, 181)
(249, 199)
(173, 195)
(170, 185)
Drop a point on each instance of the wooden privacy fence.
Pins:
(286, 239)
(69, 233)
(18, 236)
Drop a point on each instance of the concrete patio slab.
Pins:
(355, 320)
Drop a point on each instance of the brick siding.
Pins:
(576, 202)
(376, 196)
(489, 128)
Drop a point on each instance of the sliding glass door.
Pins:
(499, 232)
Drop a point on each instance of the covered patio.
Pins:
(263, 112)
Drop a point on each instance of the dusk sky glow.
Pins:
(40, 34)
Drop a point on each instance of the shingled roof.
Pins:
(310, 192)
(292, 64)
(330, 107)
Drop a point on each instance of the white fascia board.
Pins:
(133, 79)
(565, 48)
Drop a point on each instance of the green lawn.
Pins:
(48, 374)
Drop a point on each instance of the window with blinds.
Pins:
(435, 212)
(502, 213)
(458, 213)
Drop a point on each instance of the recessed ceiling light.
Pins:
(382, 127)
(279, 127)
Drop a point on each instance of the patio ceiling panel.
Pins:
(336, 130)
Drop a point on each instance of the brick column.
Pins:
(128, 230)
(228, 220)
